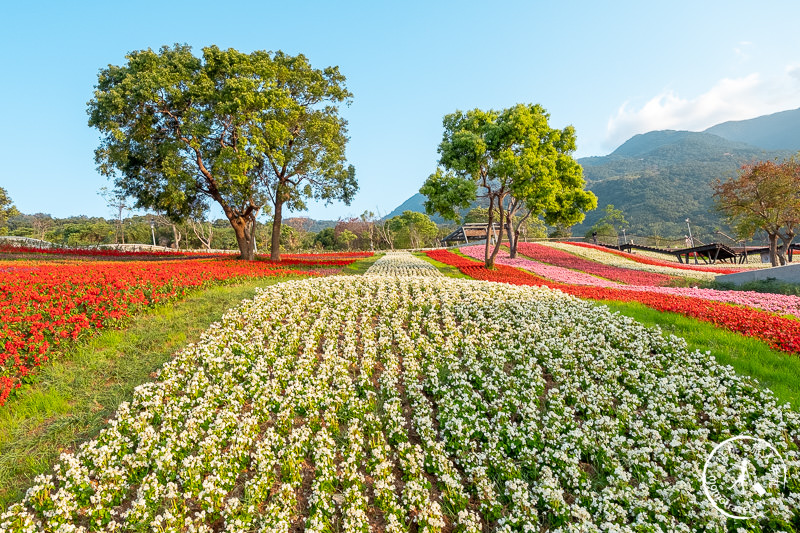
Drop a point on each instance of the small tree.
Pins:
(610, 224)
(7, 210)
(516, 163)
(764, 196)
(477, 215)
(41, 222)
(118, 203)
(326, 238)
(346, 237)
(413, 229)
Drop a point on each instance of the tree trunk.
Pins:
(176, 235)
(520, 225)
(786, 239)
(773, 249)
(499, 233)
(245, 236)
(487, 259)
(512, 243)
(275, 250)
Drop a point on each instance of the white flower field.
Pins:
(407, 401)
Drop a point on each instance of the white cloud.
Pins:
(741, 50)
(728, 99)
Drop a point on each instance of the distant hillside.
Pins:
(779, 131)
(661, 178)
(416, 203)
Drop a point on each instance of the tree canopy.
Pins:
(413, 230)
(7, 210)
(765, 195)
(238, 129)
(514, 161)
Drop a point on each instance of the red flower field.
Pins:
(45, 304)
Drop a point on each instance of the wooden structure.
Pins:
(709, 253)
(764, 250)
(472, 233)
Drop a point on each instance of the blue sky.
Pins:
(611, 69)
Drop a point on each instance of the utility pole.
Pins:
(691, 240)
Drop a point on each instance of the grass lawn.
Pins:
(75, 394)
(357, 268)
(447, 270)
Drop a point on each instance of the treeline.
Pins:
(367, 232)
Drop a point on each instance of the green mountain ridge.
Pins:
(661, 178)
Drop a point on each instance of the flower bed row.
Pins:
(418, 404)
(44, 305)
(326, 259)
(330, 259)
(638, 258)
(781, 333)
(563, 259)
(402, 264)
(89, 252)
(329, 255)
(601, 256)
(776, 303)
(552, 272)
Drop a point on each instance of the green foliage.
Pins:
(560, 232)
(7, 210)
(447, 194)
(477, 215)
(514, 161)
(239, 129)
(770, 285)
(326, 238)
(346, 237)
(610, 225)
(413, 230)
(605, 233)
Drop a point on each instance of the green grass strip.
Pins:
(75, 395)
(447, 270)
(357, 268)
(774, 370)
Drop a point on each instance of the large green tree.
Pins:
(516, 163)
(241, 130)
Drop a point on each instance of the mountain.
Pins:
(416, 203)
(779, 131)
(661, 178)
